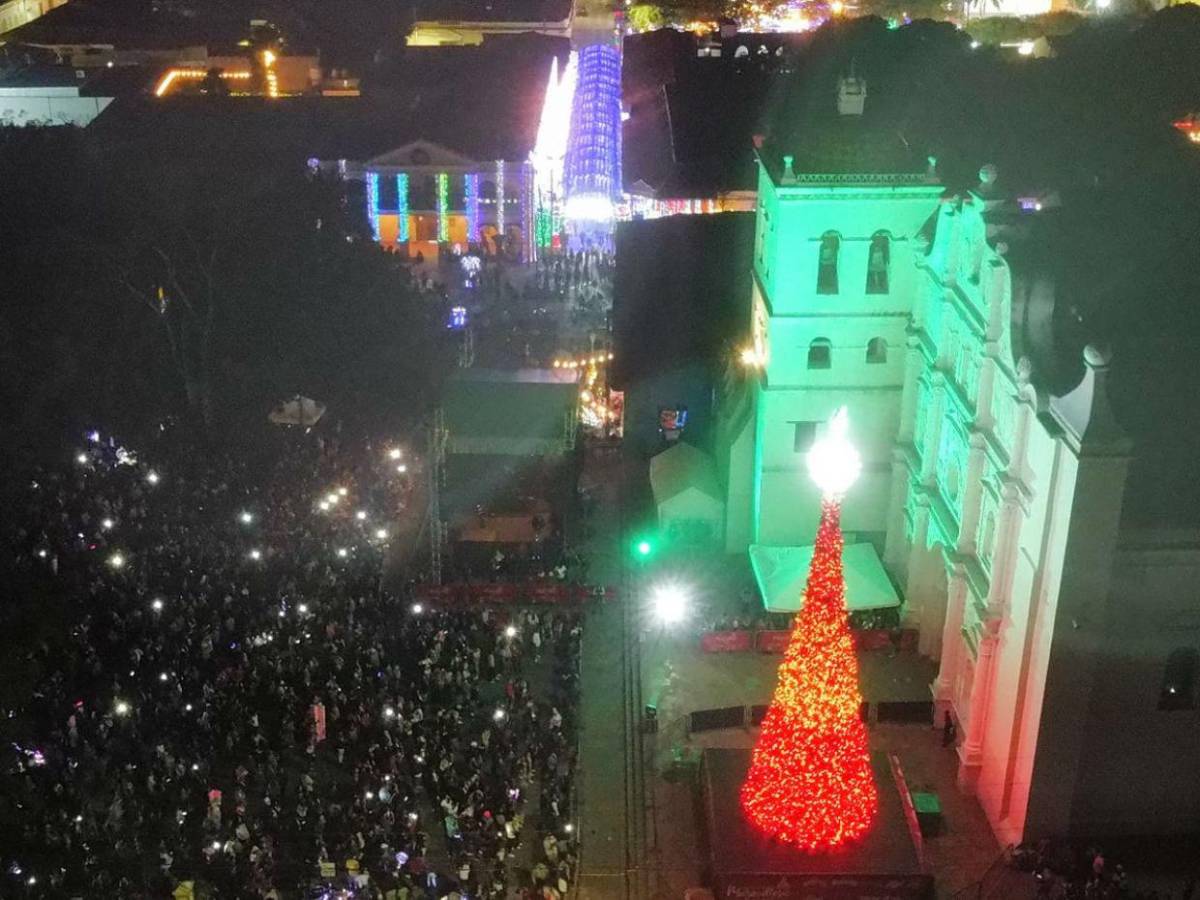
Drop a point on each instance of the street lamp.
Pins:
(670, 603)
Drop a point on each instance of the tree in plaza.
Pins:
(810, 782)
(646, 17)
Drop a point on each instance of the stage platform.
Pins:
(742, 864)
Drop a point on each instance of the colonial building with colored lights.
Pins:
(484, 171)
(1001, 489)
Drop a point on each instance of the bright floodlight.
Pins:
(107, 524)
(510, 631)
(116, 560)
(152, 477)
(256, 555)
(302, 608)
(402, 468)
(394, 453)
(247, 518)
(342, 492)
(122, 708)
(81, 459)
(343, 552)
(361, 515)
(381, 533)
(833, 463)
(417, 609)
(670, 604)
(157, 605)
(498, 715)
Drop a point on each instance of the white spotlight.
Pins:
(670, 604)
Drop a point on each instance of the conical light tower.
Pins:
(810, 782)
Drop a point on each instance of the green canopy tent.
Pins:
(782, 573)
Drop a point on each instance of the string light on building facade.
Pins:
(471, 191)
(402, 207)
(443, 207)
(500, 199)
(373, 204)
(171, 76)
(268, 58)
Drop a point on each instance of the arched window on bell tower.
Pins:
(827, 263)
(820, 354)
(879, 264)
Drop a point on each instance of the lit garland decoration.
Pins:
(525, 211)
(373, 204)
(810, 782)
(543, 226)
(500, 201)
(472, 198)
(443, 207)
(402, 207)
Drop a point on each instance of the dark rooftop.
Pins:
(492, 10)
(40, 76)
(134, 24)
(692, 121)
(681, 292)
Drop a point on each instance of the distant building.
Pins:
(994, 483)
(49, 96)
(15, 13)
(456, 23)
(479, 160)
(690, 122)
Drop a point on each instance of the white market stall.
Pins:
(686, 494)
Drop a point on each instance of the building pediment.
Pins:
(420, 154)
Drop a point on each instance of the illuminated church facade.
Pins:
(1066, 640)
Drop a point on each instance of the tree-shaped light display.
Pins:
(810, 782)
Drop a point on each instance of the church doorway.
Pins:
(928, 591)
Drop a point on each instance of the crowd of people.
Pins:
(242, 703)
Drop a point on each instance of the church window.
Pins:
(952, 480)
(1179, 680)
(804, 435)
(827, 264)
(820, 354)
(877, 351)
(879, 259)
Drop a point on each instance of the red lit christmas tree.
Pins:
(810, 782)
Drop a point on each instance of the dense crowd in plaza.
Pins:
(242, 702)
